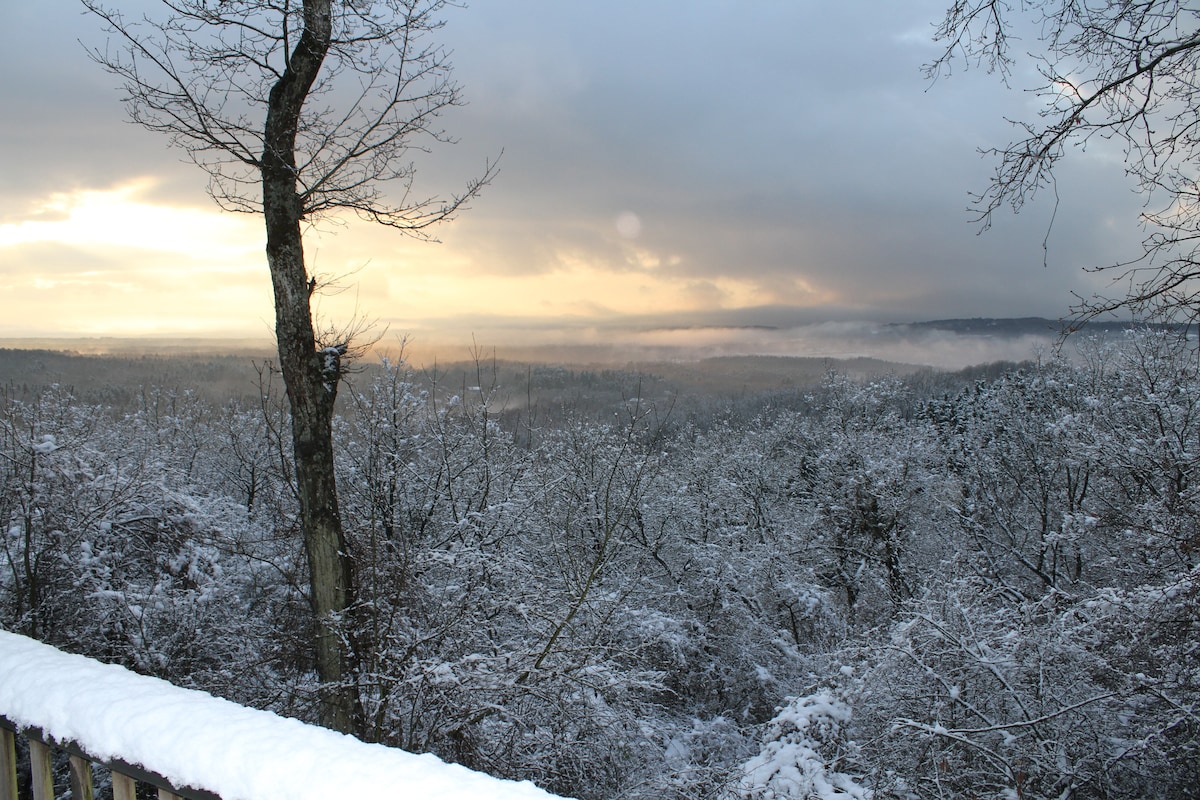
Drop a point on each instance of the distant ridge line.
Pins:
(1018, 326)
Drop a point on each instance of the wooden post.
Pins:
(124, 787)
(40, 772)
(163, 794)
(81, 779)
(8, 765)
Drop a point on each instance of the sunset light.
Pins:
(111, 262)
(623, 200)
(125, 217)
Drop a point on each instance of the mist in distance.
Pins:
(922, 344)
(945, 344)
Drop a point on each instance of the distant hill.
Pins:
(119, 379)
(989, 326)
(1029, 326)
(113, 369)
(116, 379)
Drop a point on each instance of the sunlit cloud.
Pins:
(120, 217)
(110, 261)
(579, 288)
(389, 276)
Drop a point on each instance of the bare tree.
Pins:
(1120, 70)
(298, 109)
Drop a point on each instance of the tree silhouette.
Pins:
(1109, 70)
(299, 110)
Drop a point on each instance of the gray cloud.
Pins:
(64, 127)
(774, 140)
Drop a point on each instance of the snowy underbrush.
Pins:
(1092, 696)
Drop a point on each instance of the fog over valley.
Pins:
(944, 344)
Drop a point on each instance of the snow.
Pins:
(48, 444)
(791, 764)
(197, 740)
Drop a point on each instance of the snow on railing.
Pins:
(125, 777)
(192, 745)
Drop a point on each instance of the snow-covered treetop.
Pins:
(196, 740)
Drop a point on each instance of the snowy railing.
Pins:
(192, 745)
(125, 777)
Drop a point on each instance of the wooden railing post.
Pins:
(40, 772)
(8, 765)
(124, 787)
(81, 778)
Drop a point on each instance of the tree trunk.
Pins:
(311, 377)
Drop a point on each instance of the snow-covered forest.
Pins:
(862, 589)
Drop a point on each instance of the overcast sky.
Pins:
(665, 164)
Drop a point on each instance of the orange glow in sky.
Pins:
(114, 262)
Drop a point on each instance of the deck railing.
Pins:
(125, 777)
(191, 745)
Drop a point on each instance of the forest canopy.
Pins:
(885, 587)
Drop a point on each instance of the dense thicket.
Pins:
(863, 589)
